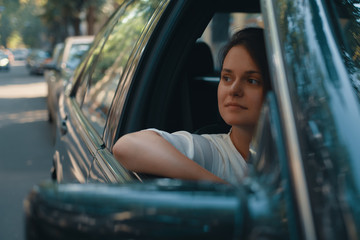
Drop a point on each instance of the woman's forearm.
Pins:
(148, 152)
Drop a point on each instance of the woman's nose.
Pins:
(237, 88)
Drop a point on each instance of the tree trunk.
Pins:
(76, 26)
(90, 18)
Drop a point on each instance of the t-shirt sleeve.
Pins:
(215, 153)
(193, 146)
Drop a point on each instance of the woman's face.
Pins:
(241, 89)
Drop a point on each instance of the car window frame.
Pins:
(268, 171)
(280, 84)
(90, 105)
(124, 86)
(104, 162)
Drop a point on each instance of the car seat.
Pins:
(203, 82)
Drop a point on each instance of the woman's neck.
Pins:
(241, 139)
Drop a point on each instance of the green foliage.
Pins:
(6, 19)
(38, 21)
(20, 18)
(15, 40)
(59, 15)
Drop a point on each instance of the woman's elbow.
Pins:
(122, 151)
(131, 149)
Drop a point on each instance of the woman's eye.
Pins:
(254, 81)
(226, 78)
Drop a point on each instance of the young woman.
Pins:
(215, 157)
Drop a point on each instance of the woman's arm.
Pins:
(148, 152)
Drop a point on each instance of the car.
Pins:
(4, 61)
(66, 57)
(303, 181)
(36, 61)
(55, 56)
(20, 54)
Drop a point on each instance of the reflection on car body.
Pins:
(303, 182)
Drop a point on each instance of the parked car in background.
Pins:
(36, 60)
(9, 53)
(144, 70)
(4, 61)
(20, 54)
(54, 57)
(67, 56)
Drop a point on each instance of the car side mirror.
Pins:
(160, 209)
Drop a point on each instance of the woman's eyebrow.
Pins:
(226, 70)
(247, 72)
(253, 71)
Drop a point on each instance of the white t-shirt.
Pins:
(214, 152)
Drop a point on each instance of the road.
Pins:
(25, 145)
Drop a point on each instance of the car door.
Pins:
(84, 110)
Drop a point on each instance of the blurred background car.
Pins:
(36, 61)
(54, 57)
(4, 61)
(20, 54)
(66, 57)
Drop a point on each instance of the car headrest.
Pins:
(201, 61)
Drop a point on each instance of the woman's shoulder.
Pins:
(217, 137)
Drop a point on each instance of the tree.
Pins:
(20, 18)
(30, 25)
(7, 14)
(66, 16)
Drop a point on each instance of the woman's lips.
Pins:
(235, 105)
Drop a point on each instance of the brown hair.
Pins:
(253, 40)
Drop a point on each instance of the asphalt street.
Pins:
(26, 145)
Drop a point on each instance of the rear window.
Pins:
(223, 26)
